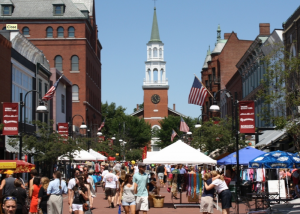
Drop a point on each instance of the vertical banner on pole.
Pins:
(63, 130)
(10, 118)
(247, 116)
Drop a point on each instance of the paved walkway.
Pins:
(101, 206)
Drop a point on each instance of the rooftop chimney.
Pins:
(174, 107)
(264, 29)
(137, 107)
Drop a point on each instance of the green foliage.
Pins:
(134, 154)
(1, 126)
(169, 123)
(141, 106)
(211, 136)
(279, 90)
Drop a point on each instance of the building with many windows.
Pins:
(67, 33)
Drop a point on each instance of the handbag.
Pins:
(85, 207)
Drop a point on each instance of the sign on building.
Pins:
(11, 27)
(10, 119)
(63, 130)
(247, 116)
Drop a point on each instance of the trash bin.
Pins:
(158, 201)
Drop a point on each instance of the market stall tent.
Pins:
(179, 153)
(81, 155)
(245, 156)
(18, 166)
(97, 155)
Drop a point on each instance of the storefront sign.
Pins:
(247, 116)
(63, 129)
(10, 118)
(8, 165)
(11, 27)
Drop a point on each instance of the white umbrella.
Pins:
(97, 155)
(80, 156)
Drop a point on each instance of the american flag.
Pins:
(49, 95)
(198, 93)
(183, 126)
(102, 125)
(173, 135)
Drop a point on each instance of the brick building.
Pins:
(66, 32)
(219, 65)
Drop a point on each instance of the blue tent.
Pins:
(276, 159)
(245, 155)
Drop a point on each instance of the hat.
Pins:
(103, 163)
(133, 162)
(91, 171)
(141, 164)
(9, 172)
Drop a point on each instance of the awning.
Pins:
(270, 136)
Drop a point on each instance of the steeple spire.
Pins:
(154, 32)
(218, 33)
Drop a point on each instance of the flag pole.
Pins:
(204, 86)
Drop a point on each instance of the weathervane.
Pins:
(154, 2)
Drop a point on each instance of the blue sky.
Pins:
(186, 28)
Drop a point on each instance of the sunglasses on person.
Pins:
(10, 198)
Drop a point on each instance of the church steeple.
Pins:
(155, 31)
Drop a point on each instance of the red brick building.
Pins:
(220, 65)
(66, 32)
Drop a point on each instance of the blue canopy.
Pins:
(276, 159)
(245, 155)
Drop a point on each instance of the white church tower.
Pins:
(155, 64)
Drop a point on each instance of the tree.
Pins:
(280, 89)
(169, 123)
(211, 136)
(141, 106)
(134, 154)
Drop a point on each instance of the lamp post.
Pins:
(89, 139)
(216, 108)
(40, 109)
(82, 126)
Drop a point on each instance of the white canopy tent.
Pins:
(179, 153)
(81, 155)
(97, 155)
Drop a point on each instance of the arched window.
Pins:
(75, 92)
(60, 32)
(155, 75)
(149, 52)
(25, 31)
(75, 63)
(49, 31)
(71, 32)
(160, 53)
(58, 63)
(154, 52)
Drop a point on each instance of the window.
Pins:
(71, 32)
(25, 31)
(6, 10)
(46, 88)
(75, 63)
(49, 31)
(155, 52)
(60, 32)
(160, 53)
(58, 10)
(75, 92)
(22, 83)
(40, 89)
(149, 52)
(58, 63)
(62, 103)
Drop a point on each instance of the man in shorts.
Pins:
(110, 181)
(142, 181)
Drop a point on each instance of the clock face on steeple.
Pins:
(155, 98)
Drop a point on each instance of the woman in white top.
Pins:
(222, 190)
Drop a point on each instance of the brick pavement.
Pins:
(101, 206)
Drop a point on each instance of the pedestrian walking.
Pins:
(92, 186)
(7, 184)
(103, 175)
(9, 205)
(142, 181)
(56, 188)
(160, 170)
(127, 194)
(34, 195)
(207, 197)
(88, 185)
(71, 184)
(79, 196)
(117, 197)
(110, 182)
(20, 194)
(153, 184)
(32, 173)
(224, 193)
(43, 196)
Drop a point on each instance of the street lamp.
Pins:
(123, 144)
(121, 140)
(99, 133)
(216, 108)
(40, 109)
(113, 138)
(82, 126)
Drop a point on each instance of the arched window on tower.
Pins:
(148, 76)
(154, 52)
(160, 53)
(75, 63)
(155, 75)
(162, 75)
(75, 92)
(149, 53)
(58, 63)
(49, 31)
(60, 32)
